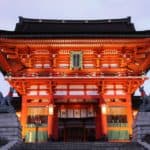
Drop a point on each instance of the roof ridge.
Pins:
(32, 20)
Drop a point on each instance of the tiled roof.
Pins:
(43, 28)
(27, 25)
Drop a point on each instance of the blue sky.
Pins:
(139, 10)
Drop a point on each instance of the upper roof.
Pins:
(43, 28)
(27, 25)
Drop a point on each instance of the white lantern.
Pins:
(104, 109)
(51, 109)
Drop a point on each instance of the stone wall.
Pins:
(141, 126)
(10, 127)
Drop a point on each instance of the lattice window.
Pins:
(37, 115)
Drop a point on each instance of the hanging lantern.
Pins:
(51, 109)
(104, 109)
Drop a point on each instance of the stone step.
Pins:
(10, 127)
(7, 115)
(78, 146)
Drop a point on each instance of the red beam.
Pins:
(4, 63)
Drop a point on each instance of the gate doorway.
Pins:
(77, 130)
(76, 134)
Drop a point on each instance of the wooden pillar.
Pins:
(129, 114)
(24, 115)
(98, 123)
(55, 124)
(103, 117)
(50, 113)
(50, 120)
(97, 62)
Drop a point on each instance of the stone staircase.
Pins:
(78, 146)
(10, 128)
(141, 126)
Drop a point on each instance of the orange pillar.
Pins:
(50, 120)
(129, 114)
(98, 124)
(24, 115)
(103, 117)
(55, 125)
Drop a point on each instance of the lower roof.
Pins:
(16, 35)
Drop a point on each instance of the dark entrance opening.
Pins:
(75, 134)
(77, 130)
